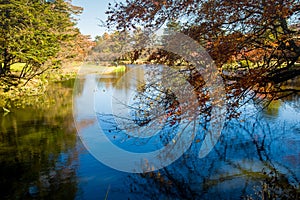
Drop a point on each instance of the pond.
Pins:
(42, 156)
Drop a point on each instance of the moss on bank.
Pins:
(20, 93)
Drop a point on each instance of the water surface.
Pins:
(41, 156)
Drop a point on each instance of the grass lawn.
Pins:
(98, 69)
(17, 67)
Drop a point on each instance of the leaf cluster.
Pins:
(258, 40)
(33, 32)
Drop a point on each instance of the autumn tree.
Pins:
(76, 48)
(258, 34)
(116, 46)
(107, 47)
(138, 41)
(258, 39)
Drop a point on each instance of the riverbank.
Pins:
(20, 93)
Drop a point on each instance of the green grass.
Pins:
(251, 65)
(120, 68)
(100, 69)
(17, 67)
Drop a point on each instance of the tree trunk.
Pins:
(1, 70)
(6, 66)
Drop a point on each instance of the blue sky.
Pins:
(93, 11)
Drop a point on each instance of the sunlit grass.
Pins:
(120, 68)
(243, 64)
(101, 69)
(17, 67)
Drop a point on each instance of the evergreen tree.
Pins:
(32, 32)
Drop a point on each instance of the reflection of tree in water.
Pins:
(249, 162)
(288, 97)
(246, 161)
(155, 106)
(293, 100)
(144, 109)
(37, 154)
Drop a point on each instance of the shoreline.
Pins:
(15, 95)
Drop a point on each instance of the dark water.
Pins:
(41, 156)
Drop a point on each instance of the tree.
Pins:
(32, 32)
(76, 48)
(120, 46)
(259, 34)
(108, 47)
(258, 39)
(138, 41)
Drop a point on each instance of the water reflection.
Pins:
(253, 158)
(258, 155)
(37, 149)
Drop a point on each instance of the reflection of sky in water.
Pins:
(84, 102)
(288, 113)
(111, 101)
(247, 146)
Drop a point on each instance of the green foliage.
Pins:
(33, 142)
(13, 93)
(32, 33)
(17, 67)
